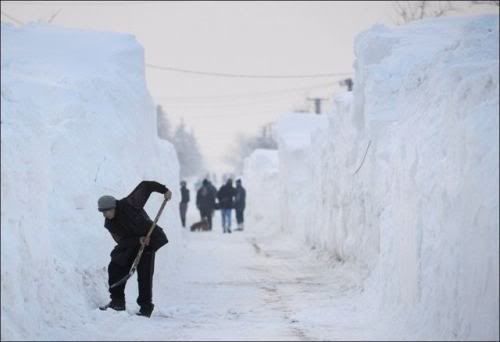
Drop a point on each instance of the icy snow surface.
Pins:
(378, 220)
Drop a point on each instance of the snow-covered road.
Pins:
(239, 286)
(398, 178)
(230, 289)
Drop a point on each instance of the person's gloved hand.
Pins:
(144, 240)
(168, 195)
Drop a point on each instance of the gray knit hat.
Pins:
(106, 202)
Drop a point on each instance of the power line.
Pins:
(266, 111)
(238, 102)
(224, 104)
(258, 107)
(168, 68)
(271, 93)
(223, 74)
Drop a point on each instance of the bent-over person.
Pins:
(128, 223)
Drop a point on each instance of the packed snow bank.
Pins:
(294, 134)
(401, 179)
(77, 123)
(261, 181)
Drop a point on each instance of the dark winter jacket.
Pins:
(225, 195)
(213, 189)
(240, 198)
(205, 200)
(132, 222)
(184, 195)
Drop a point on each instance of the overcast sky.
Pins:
(239, 38)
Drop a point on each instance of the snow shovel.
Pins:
(139, 254)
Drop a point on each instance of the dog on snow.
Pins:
(200, 225)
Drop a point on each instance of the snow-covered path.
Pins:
(239, 286)
(229, 285)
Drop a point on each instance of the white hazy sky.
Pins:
(245, 38)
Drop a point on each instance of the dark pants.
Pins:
(183, 209)
(239, 215)
(206, 213)
(145, 271)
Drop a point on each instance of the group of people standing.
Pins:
(209, 199)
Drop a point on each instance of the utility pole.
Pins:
(317, 103)
(348, 83)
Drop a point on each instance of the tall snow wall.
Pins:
(401, 178)
(77, 123)
(261, 181)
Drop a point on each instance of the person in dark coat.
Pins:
(239, 204)
(184, 202)
(225, 195)
(213, 190)
(205, 202)
(128, 223)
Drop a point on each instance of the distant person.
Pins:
(239, 204)
(225, 195)
(128, 223)
(205, 202)
(213, 190)
(184, 202)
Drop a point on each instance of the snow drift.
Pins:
(77, 122)
(401, 178)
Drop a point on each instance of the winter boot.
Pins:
(146, 310)
(115, 305)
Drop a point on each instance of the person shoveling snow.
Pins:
(136, 235)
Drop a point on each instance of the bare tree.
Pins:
(53, 16)
(188, 152)
(245, 145)
(49, 19)
(164, 127)
(494, 3)
(408, 11)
